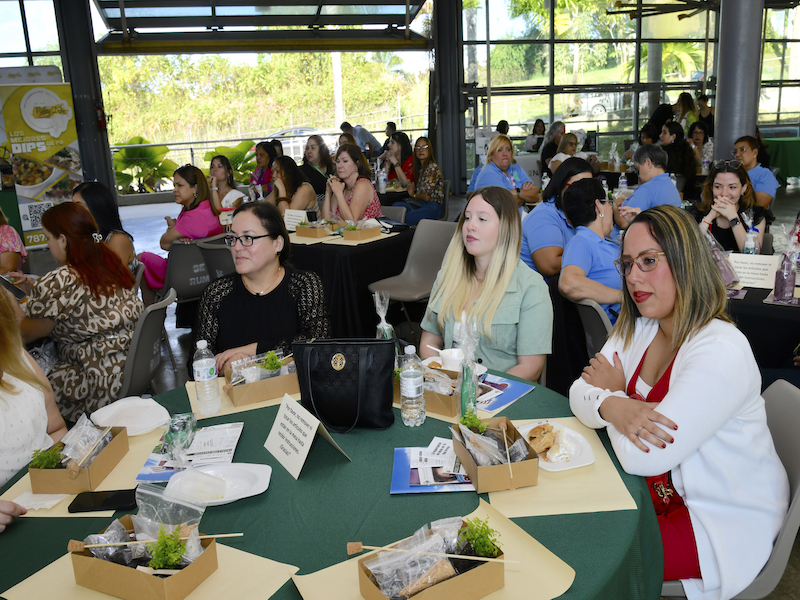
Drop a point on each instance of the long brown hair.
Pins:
(700, 294)
(96, 265)
(419, 166)
(748, 198)
(355, 154)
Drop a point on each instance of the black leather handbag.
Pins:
(347, 383)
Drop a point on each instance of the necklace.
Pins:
(269, 288)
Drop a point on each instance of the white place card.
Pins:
(292, 435)
(755, 270)
(292, 217)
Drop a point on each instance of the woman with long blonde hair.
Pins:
(29, 417)
(482, 277)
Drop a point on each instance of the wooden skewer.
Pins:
(504, 429)
(79, 546)
(356, 547)
(74, 468)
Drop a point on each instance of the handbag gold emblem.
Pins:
(338, 361)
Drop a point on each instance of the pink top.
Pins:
(11, 242)
(373, 209)
(199, 222)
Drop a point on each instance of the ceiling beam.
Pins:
(348, 40)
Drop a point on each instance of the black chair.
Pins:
(569, 355)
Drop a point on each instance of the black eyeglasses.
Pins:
(646, 261)
(246, 240)
(727, 164)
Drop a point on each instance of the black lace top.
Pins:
(230, 316)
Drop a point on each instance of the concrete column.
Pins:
(80, 69)
(654, 74)
(450, 130)
(738, 71)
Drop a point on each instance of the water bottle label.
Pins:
(204, 372)
(411, 385)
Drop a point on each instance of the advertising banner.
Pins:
(37, 130)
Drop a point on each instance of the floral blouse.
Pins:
(431, 183)
(11, 242)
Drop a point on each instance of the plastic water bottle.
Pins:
(750, 243)
(412, 396)
(205, 379)
(382, 178)
(545, 181)
(673, 179)
(605, 188)
(704, 168)
(623, 182)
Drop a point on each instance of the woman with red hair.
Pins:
(87, 306)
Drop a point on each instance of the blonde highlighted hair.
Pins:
(458, 268)
(495, 144)
(13, 360)
(700, 294)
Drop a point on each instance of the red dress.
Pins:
(677, 536)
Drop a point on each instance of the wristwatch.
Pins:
(518, 196)
(734, 222)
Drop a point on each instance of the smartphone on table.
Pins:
(109, 500)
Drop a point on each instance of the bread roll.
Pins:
(541, 438)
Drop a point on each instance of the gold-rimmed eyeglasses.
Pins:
(646, 261)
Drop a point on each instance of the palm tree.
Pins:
(682, 58)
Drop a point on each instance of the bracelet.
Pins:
(707, 222)
(216, 189)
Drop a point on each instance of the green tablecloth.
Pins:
(309, 521)
(784, 153)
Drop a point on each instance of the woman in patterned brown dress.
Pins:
(87, 306)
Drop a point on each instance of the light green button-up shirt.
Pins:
(522, 324)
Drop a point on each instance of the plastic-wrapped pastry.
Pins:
(562, 450)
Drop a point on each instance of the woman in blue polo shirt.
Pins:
(545, 231)
(587, 267)
(764, 183)
(502, 171)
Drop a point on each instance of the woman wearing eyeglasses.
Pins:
(727, 197)
(428, 193)
(266, 304)
(678, 390)
(587, 266)
(765, 185)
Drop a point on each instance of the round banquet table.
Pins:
(307, 522)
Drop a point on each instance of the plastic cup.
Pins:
(202, 486)
(451, 358)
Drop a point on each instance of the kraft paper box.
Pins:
(128, 583)
(313, 232)
(475, 583)
(438, 404)
(361, 234)
(57, 481)
(265, 389)
(496, 478)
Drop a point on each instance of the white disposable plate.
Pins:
(583, 455)
(479, 369)
(137, 415)
(243, 480)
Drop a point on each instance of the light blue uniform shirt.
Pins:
(595, 256)
(545, 226)
(492, 175)
(659, 190)
(763, 180)
(522, 324)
